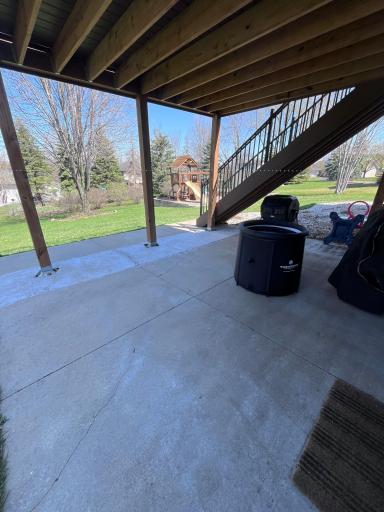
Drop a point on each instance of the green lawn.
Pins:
(61, 229)
(313, 192)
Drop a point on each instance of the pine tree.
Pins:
(332, 164)
(106, 169)
(67, 183)
(38, 170)
(299, 178)
(162, 155)
(206, 157)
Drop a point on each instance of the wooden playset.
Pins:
(186, 179)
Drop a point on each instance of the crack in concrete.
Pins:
(85, 434)
(117, 385)
(265, 336)
(109, 342)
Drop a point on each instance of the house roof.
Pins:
(181, 160)
(219, 57)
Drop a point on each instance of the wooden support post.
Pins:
(213, 171)
(379, 197)
(146, 168)
(21, 178)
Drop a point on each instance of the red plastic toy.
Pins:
(352, 216)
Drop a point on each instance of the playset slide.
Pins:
(195, 187)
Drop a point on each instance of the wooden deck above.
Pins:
(215, 57)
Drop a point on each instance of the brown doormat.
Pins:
(342, 466)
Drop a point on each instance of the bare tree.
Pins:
(238, 128)
(350, 154)
(197, 138)
(131, 166)
(67, 121)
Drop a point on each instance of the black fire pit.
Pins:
(270, 256)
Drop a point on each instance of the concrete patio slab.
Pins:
(53, 329)
(314, 323)
(167, 388)
(198, 422)
(28, 259)
(215, 263)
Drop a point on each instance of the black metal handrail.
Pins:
(283, 126)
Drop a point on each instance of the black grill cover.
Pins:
(359, 277)
(280, 207)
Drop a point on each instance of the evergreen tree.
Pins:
(332, 167)
(299, 178)
(106, 169)
(336, 161)
(67, 183)
(162, 155)
(38, 170)
(206, 157)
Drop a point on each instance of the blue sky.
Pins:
(170, 120)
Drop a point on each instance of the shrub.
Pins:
(117, 193)
(97, 198)
(69, 201)
(135, 193)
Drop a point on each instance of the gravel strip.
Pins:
(315, 219)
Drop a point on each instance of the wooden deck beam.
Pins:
(326, 62)
(26, 14)
(356, 32)
(213, 171)
(140, 16)
(21, 178)
(335, 74)
(146, 168)
(83, 17)
(324, 21)
(322, 88)
(257, 21)
(193, 21)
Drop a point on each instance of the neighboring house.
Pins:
(132, 179)
(9, 194)
(8, 189)
(132, 175)
(317, 169)
(372, 172)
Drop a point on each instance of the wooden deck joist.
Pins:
(135, 22)
(80, 22)
(305, 92)
(26, 15)
(196, 19)
(326, 20)
(249, 26)
(328, 64)
(348, 36)
(309, 79)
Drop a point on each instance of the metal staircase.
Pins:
(294, 136)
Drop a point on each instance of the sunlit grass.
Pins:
(313, 192)
(61, 228)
